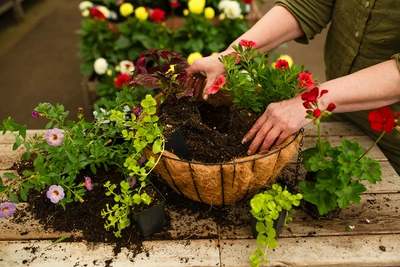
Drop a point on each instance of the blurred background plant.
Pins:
(114, 34)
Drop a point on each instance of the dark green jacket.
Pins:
(361, 33)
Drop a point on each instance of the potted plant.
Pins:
(69, 151)
(233, 177)
(335, 172)
(270, 210)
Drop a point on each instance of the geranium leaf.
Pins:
(350, 193)
(368, 169)
(324, 200)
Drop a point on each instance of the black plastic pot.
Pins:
(151, 220)
(278, 224)
(176, 144)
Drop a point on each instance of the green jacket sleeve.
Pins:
(313, 15)
(397, 57)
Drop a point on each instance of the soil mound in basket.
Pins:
(217, 170)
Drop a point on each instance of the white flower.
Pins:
(126, 67)
(106, 12)
(100, 66)
(231, 9)
(113, 15)
(85, 5)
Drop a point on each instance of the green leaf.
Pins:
(368, 169)
(13, 198)
(350, 194)
(10, 175)
(324, 200)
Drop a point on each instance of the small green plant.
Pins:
(118, 216)
(266, 208)
(339, 170)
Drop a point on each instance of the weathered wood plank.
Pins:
(333, 128)
(365, 250)
(201, 253)
(376, 214)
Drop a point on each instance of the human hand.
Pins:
(203, 73)
(278, 122)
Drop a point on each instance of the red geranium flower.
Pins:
(311, 96)
(157, 15)
(383, 119)
(317, 112)
(122, 79)
(247, 1)
(248, 44)
(282, 64)
(217, 84)
(331, 107)
(96, 14)
(306, 80)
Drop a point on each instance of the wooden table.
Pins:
(375, 241)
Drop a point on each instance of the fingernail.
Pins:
(244, 140)
(249, 152)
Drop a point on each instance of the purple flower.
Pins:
(55, 193)
(35, 114)
(54, 137)
(132, 181)
(6, 209)
(88, 183)
(137, 110)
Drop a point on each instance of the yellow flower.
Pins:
(196, 6)
(141, 13)
(209, 13)
(126, 9)
(193, 56)
(214, 53)
(171, 69)
(284, 57)
(85, 13)
(186, 12)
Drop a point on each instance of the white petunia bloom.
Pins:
(106, 12)
(85, 5)
(100, 66)
(126, 67)
(231, 9)
(113, 15)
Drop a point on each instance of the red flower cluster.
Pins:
(310, 102)
(96, 14)
(247, 1)
(282, 64)
(122, 79)
(248, 44)
(383, 119)
(157, 15)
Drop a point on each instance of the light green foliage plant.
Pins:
(118, 216)
(266, 208)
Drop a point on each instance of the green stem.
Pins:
(319, 137)
(376, 141)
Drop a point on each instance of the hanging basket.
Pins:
(226, 183)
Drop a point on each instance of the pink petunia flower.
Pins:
(248, 44)
(88, 183)
(35, 114)
(306, 80)
(55, 193)
(6, 209)
(220, 82)
(54, 137)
